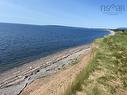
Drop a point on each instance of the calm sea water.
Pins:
(22, 43)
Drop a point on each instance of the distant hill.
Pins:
(122, 28)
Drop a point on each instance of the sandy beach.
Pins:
(111, 32)
(12, 82)
(58, 83)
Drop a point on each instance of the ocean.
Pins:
(20, 43)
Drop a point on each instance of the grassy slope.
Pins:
(107, 73)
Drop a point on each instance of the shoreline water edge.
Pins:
(12, 82)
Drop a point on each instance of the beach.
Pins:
(111, 32)
(12, 82)
(58, 83)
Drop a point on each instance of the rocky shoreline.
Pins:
(14, 81)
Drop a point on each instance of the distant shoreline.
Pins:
(111, 32)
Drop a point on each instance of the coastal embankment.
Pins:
(106, 73)
(58, 83)
(45, 72)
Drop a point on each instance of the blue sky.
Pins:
(80, 13)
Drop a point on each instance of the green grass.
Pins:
(106, 74)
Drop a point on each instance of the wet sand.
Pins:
(12, 82)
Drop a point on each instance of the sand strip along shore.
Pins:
(58, 83)
(14, 81)
(111, 32)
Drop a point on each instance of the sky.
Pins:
(79, 13)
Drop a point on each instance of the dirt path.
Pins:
(57, 83)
